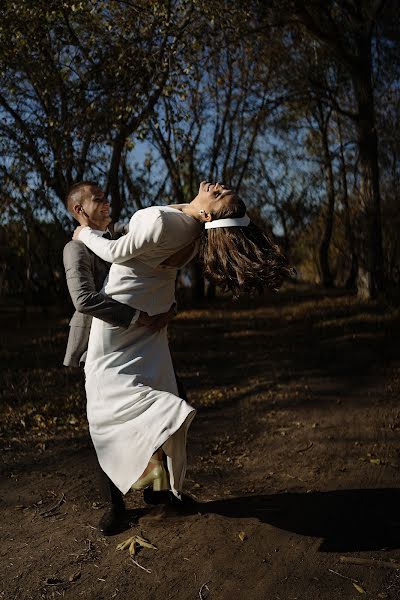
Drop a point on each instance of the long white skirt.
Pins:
(132, 403)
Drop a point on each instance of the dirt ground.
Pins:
(294, 459)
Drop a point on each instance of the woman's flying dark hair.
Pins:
(241, 259)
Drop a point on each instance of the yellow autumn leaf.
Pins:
(145, 543)
(359, 588)
(132, 548)
(125, 544)
(242, 536)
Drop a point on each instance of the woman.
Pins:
(134, 412)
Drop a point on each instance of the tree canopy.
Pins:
(293, 103)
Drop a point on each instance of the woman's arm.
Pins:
(144, 231)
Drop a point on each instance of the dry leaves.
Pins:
(359, 588)
(134, 543)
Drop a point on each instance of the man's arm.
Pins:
(82, 289)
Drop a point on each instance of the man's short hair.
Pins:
(75, 193)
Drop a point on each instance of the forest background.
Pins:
(295, 104)
(293, 456)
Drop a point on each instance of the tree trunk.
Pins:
(211, 291)
(198, 281)
(133, 190)
(327, 278)
(370, 272)
(351, 281)
(112, 186)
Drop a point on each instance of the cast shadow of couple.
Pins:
(346, 520)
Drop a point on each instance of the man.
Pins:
(85, 273)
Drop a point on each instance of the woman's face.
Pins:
(212, 195)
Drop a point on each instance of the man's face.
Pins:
(95, 205)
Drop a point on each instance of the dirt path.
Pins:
(293, 456)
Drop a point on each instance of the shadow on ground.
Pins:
(346, 520)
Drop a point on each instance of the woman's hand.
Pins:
(77, 232)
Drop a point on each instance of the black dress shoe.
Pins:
(186, 503)
(167, 497)
(112, 520)
(152, 497)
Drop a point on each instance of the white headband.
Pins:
(240, 221)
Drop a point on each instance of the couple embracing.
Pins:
(138, 417)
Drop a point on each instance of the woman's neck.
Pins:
(191, 211)
(188, 209)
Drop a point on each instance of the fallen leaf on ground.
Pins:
(242, 536)
(145, 543)
(132, 548)
(359, 588)
(125, 544)
(132, 542)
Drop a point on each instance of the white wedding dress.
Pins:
(132, 403)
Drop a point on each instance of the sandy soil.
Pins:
(293, 457)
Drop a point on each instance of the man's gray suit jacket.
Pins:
(85, 274)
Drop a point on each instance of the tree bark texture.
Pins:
(370, 273)
(112, 186)
(327, 278)
(351, 280)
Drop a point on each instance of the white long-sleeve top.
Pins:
(136, 276)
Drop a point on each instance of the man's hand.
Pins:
(156, 322)
(77, 232)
